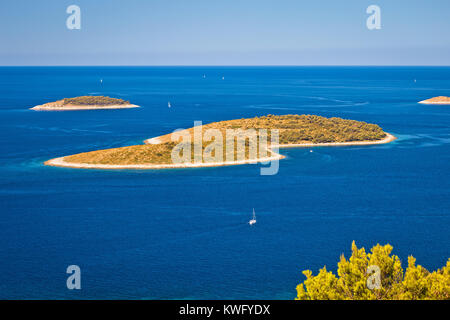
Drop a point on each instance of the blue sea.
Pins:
(183, 233)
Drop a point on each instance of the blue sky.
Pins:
(226, 32)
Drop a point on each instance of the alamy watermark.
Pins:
(225, 147)
(374, 20)
(74, 20)
(74, 280)
(374, 279)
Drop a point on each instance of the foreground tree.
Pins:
(377, 275)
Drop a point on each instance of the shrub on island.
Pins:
(94, 100)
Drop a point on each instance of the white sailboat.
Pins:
(253, 220)
(168, 104)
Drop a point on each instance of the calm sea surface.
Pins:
(176, 234)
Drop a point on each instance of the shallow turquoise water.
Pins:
(175, 234)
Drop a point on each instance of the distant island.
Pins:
(86, 103)
(293, 131)
(437, 100)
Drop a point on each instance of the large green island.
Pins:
(85, 103)
(291, 130)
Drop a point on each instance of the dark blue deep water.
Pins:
(176, 234)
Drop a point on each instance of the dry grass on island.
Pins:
(437, 100)
(299, 129)
(86, 103)
(294, 130)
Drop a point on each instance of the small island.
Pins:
(85, 103)
(293, 131)
(437, 100)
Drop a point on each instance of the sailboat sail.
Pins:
(253, 221)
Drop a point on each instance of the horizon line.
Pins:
(226, 65)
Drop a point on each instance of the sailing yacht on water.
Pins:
(253, 220)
